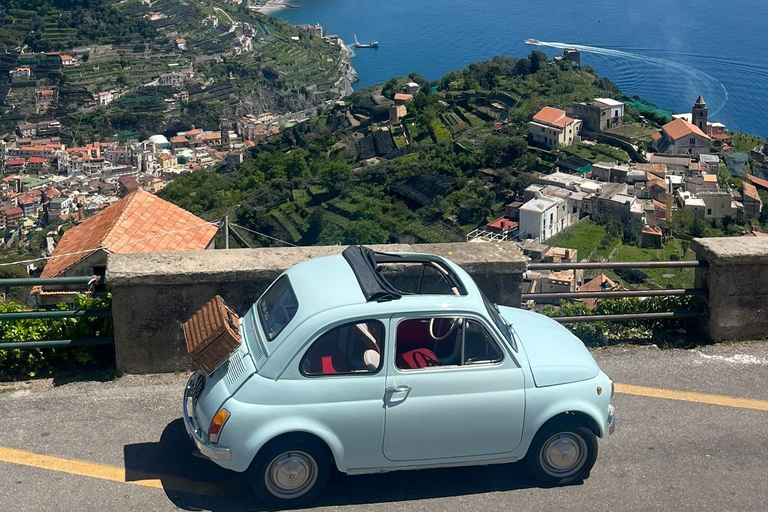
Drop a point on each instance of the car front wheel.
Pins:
(290, 473)
(562, 453)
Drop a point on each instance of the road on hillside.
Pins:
(121, 445)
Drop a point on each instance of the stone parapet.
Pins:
(154, 293)
(737, 286)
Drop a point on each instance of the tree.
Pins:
(365, 232)
(538, 59)
(698, 228)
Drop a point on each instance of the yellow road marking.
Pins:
(116, 474)
(687, 396)
(111, 473)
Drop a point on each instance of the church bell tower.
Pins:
(699, 114)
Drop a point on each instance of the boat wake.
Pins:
(654, 61)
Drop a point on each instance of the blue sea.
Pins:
(666, 51)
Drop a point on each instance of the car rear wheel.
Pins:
(290, 472)
(562, 453)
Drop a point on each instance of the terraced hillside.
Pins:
(234, 62)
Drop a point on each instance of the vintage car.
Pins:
(369, 362)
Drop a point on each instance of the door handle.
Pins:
(398, 389)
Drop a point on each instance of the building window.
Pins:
(692, 141)
(709, 211)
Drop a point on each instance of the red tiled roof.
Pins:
(179, 138)
(595, 285)
(680, 128)
(141, 222)
(400, 96)
(13, 211)
(14, 162)
(553, 116)
(37, 160)
(502, 223)
(758, 181)
(750, 191)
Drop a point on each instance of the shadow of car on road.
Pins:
(193, 483)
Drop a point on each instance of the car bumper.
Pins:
(610, 424)
(190, 423)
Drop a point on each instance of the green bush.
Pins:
(17, 363)
(604, 333)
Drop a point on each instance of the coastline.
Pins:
(273, 6)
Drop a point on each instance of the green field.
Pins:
(584, 237)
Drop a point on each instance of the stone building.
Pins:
(601, 114)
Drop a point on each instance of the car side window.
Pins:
(479, 346)
(443, 341)
(350, 349)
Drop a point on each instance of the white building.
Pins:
(542, 217)
(550, 127)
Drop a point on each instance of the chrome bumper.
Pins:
(611, 422)
(208, 450)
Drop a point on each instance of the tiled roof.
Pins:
(13, 211)
(141, 222)
(758, 181)
(680, 128)
(553, 116)
(595, 285)
(750, 191)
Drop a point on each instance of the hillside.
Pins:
(231, 60)
(350, 176)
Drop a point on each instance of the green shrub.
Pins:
(17, 363)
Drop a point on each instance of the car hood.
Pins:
(555, 355)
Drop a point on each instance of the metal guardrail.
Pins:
(621, 293)
(74, 313)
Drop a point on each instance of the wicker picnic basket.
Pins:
(212, 334)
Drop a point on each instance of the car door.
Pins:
(337, 384)
(464, 404)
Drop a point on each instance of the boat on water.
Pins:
(358, 44)
(531, 40)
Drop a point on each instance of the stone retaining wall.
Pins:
(154, 293)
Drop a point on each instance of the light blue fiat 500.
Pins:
(369, 362)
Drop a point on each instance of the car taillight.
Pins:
(217, 423)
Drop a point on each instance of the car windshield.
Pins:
(277, 307)
(503, 326)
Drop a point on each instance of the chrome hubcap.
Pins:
(291, 474)
(563, 455)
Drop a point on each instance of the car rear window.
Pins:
(277, 307)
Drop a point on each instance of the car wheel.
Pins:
(562, 453)
(290, 472)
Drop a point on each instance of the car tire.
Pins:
(290, 472)
(562, 453)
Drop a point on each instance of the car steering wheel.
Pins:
(454, 323)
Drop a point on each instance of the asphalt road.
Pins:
(666, 455)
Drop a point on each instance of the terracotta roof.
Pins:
(750, 191)
(680, 128)
(656, 136)
(595, 285)
(553, 116)
(502, 223)
(141, 222)
(400, 96)
(14, 162)
(758, 181)
(13, 211)
(179, 138)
